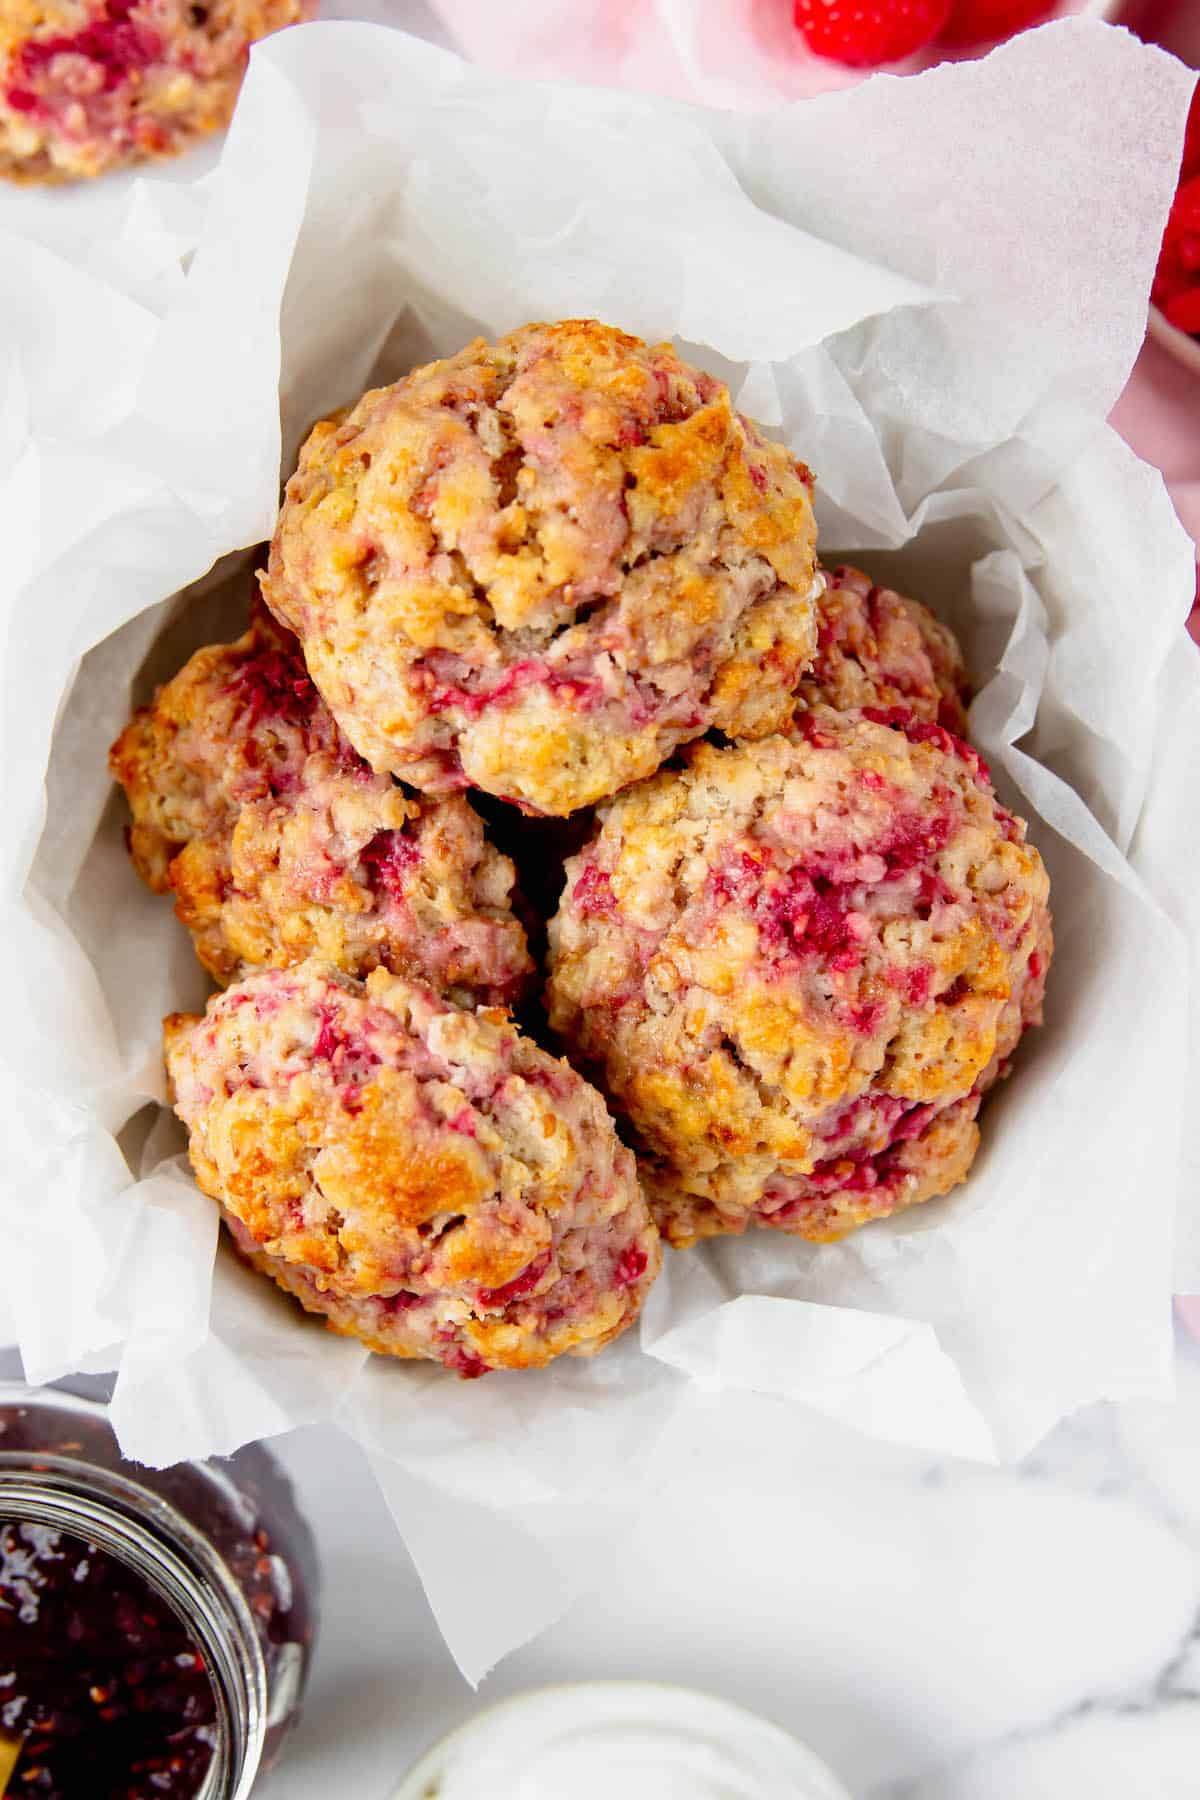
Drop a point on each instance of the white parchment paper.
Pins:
(933, 289)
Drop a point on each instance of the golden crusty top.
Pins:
(776, 931)
(540, 565)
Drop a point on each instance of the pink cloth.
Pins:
(741, 54)
(1158, 415)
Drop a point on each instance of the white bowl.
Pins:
(627, 1739)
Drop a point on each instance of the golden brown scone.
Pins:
(278, 842)
(878, 648)
(541, 565)
(424, 1177)
(795, 965)
(89, 85)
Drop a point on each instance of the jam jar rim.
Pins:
(121, 1513)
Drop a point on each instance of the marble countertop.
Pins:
(934, 1629)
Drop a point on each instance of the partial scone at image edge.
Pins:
(89, 86)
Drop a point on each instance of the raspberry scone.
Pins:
(796, 965)
(540, 566)
(89, 85)
(423, 1176)
(279, 843)
(878, 648)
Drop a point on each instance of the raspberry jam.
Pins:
(155, 1625)
(101, 1679)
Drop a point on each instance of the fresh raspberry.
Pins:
(1184, 216)
(986, 21)
(865, 33)
(1191, 139)
(1176, 289)
(1184, 220)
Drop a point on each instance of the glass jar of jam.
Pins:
(155, 1624)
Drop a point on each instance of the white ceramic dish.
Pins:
(637, 1740)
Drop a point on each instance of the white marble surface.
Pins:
(936, 1631)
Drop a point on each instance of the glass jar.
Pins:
(221, 1556)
